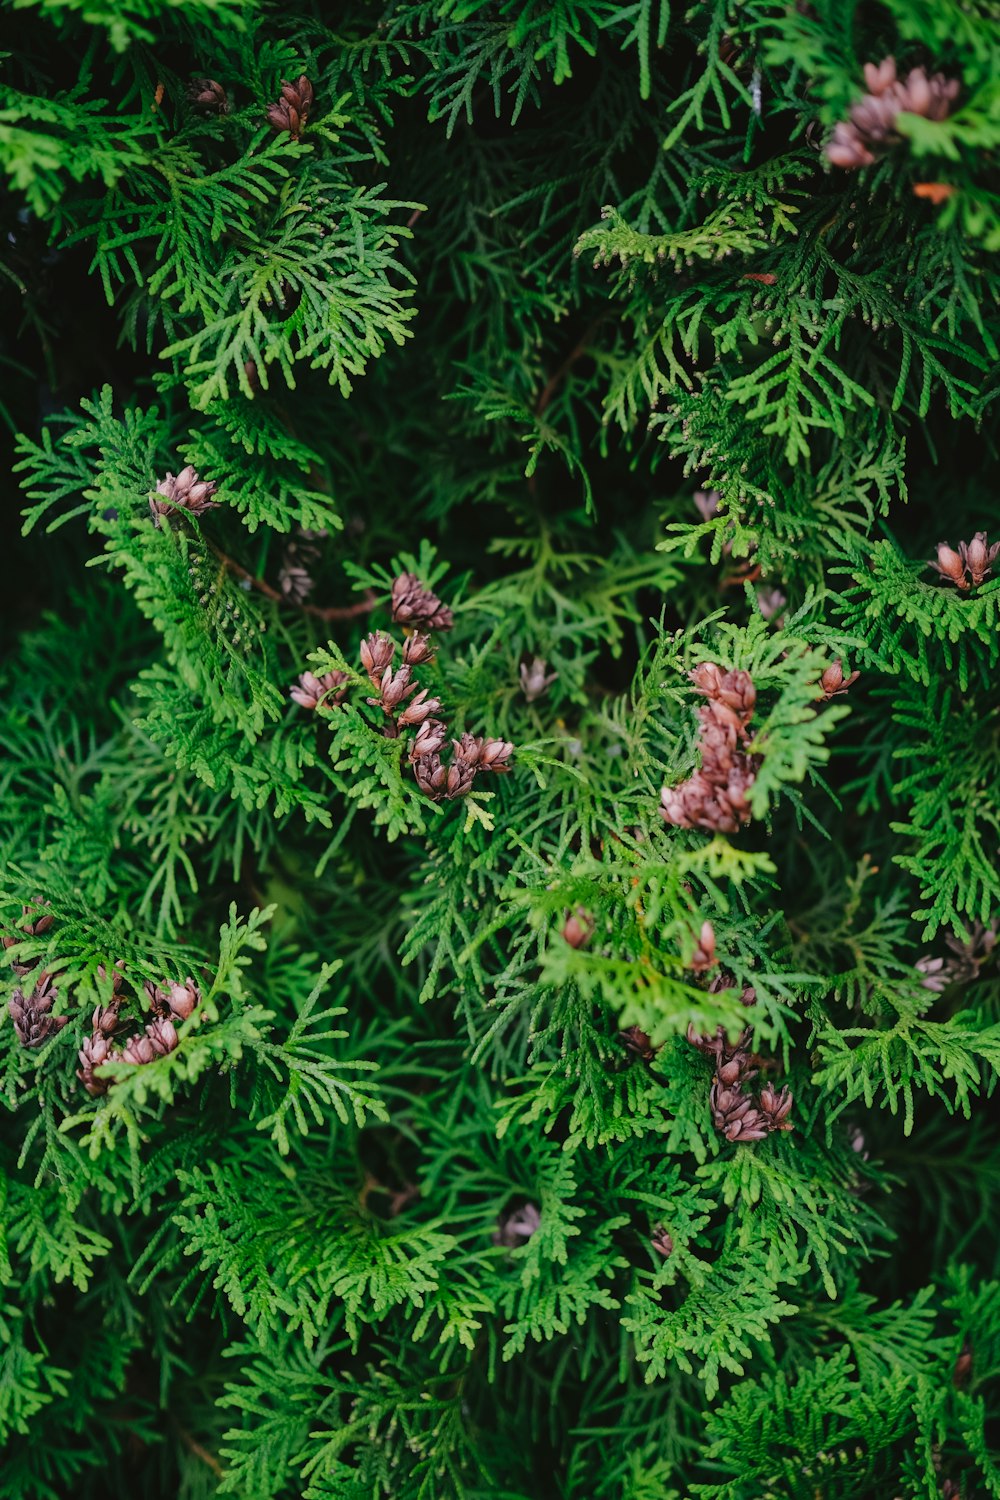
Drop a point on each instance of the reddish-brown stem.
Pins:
(363, 606)
(556, 380)
(193, 1446)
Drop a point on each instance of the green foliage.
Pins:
(562, 308)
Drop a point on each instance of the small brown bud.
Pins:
(182, 999)
(430, 739)
(182, 494)
(578, 927)
(105, 1020)
(138, 1050)
(162, 1036)
(394, 688)
(833, 682)
(950, 565)
(775, 1108)
(704, 954)
(494, 755)
(291, 111)
(95, 1051)
(661, 1241)
(377, 652)
(461, 774)
(207, 97)
(419, 709)
(417, 649)
(516, 1226)
(32, 1016)
(535, 678)
(636, 1042)
(978, 557)
(431, 775)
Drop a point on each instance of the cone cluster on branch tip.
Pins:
(207, 97)
(35, 928)
(471, 755)
(833, 682)
(870, 126)
(516, 1226)
(313, 692)
(735, 1112)
(405, 705)
(184, 492)
(970, 565)
(290, 111)
(716, 796)
(418, 608)
(965, 961)
(536, 679)
(32, 1015)
(170, 1006)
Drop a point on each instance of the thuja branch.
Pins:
(362, 606)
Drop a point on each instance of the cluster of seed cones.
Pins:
(290, 111)
(170, 1006)
(404, 704)
(965, 961)
(716, 796)
(970, 565)
(871, 125)
(735, 1113)
(32, 1014)
(34, 1022)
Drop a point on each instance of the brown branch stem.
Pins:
(193, 1446)
(579, 350)
(363, 606)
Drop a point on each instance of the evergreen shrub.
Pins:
(501, 744)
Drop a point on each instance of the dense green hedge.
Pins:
(499, 795)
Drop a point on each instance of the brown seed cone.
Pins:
(833, 682)
(636, 1042)
(377, 653)
(182, 999)
(416, 606)
(517, 1226)
(661, 1241)
(314, 692)
(536, 679)
(578, 927)
(32, 1017)
(872, 122)
(182, 493)
(296, 582)
(704, 954)
(291, 110)
(95, 1051)
(950, 565)
(978, 557)
(207, 97)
